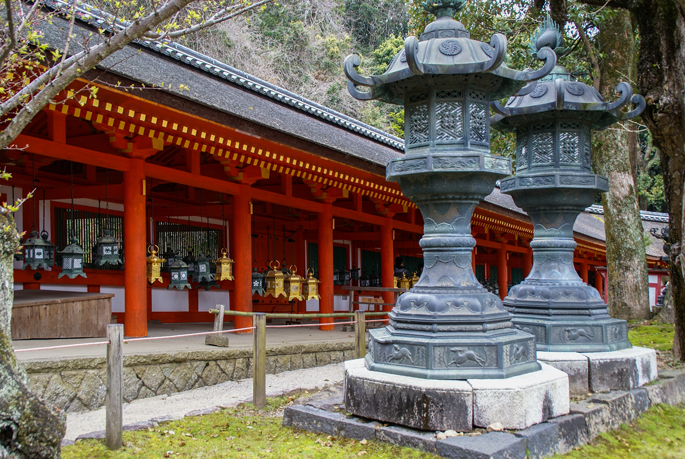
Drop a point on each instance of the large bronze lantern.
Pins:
(190, 262)
(36, 254)
(107, 250)
(293, 285)
(553, 184)
(179, 275)
(275, 280)
(72, 260)
(224, 267)
(50, 247)
(154, 265)
(310, 287)
(445, 80)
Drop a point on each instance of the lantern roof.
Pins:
(107, 238)
(560, 92)
(446, 56)
(35, 240)
(74, 248)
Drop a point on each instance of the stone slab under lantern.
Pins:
(604, 371)
(517, 402)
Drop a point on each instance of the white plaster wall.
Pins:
(312, 305)
(209, 299)
(18, 286)
(341, 303)
(119, 300)
(64, 288)
(164, 300)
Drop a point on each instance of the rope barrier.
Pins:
(153, 338)
(283, 315)
(312, 325)
(65, 346)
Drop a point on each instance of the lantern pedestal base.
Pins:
(427, 404)
(626, 369)
(575, 334)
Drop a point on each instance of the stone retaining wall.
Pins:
(79, 384)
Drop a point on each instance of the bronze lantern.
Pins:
(310, 287)
(293, 285)
(106, 250)
(257, 282)
(202, 272)
(72, 260)
(35, 252)
(179, 275)
(154, 265)
(275, 280)
(224, 267)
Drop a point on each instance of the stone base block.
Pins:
(219, 340)
(520, 401)
(418, 403)
(621, 370)
(575, 365)
(604, 371)
(517, 402)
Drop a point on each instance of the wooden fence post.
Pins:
(360, 334)
(114, 395)
(259, 364)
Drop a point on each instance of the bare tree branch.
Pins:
(9, 46)
(72, 20)
(597, 77)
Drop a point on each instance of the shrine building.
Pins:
(192, 156)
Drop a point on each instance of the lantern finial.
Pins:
(548, 35)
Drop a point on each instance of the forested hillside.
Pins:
(300, 45)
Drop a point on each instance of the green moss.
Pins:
(241, 433)
(656, 336)
(659, 433)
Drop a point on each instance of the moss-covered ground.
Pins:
(243, 432)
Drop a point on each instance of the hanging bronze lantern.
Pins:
(179, 275)
(106, 250)
(154, 265)
(35, 252)
(224, 267)
(293, 285)
(404, 282)
(364, 281)
(310, 287)
(414, 279)
(375, 279)
(336, 277)
(190, 262)
(72, 260)
(49, 249)
(274, 281)
(202, 272)
(354, 273)
(258, 284)
(344, 276)
(170, 257)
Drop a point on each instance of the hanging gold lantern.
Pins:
(310, 288)
(414, 279)
(405, 282)
(154, 265)
(274, 281)
(293, 285)
(224, 266)
(395, 281)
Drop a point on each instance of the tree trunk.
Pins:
(28, 428)
(628, 285)
(661, 79)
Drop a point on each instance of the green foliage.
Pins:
(240, 433)
(658, 433)
(656, 336)
(384, 54)
(650, 180)
(371, 22)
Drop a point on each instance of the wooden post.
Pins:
(259, 361)
(584, 272)
(114, 395)
(219, 339)
(360, 334)
(135, 234)
(325, 226)
(502, 270)
(241, 238)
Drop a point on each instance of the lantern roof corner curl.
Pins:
(445, 55)
(559, 91)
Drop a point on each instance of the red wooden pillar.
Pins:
(242, 254)
(502, 270)
(387, 263)
(599, 281)
(527, 262)
(584, 272)
(325, 226)
(135, 233)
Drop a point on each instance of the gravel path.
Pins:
(226, 394)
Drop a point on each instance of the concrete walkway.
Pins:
(274, 337)
(227, 394)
